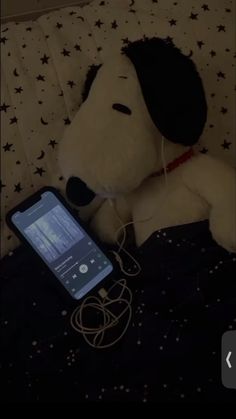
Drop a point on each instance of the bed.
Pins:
(185, 296)
(183, 301)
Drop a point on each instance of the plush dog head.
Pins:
(147, 91)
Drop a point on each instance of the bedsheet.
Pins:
(44, 66)
(184, 299)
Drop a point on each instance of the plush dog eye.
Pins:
(121, 108)
(123, 77)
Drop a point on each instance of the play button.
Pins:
(228, 359)
(83, 269)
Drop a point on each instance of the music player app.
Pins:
(63, 244)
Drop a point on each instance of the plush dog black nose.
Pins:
(78, 192)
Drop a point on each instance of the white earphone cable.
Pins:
(123, 226)
(95, 336)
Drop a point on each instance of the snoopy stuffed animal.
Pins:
(128, 154)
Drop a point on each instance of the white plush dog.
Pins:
(128, 156)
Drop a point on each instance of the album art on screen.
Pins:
(54, 233)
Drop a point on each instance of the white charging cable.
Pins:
(98, 336)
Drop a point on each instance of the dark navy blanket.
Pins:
(184, 300)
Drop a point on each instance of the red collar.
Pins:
(175, 163)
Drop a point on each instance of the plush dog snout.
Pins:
(78, 192)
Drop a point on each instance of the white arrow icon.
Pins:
(227, 359)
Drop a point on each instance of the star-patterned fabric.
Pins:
(44, 66)
(184, 299)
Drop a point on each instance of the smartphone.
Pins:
(48, 225)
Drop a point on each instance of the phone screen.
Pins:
(63, 244)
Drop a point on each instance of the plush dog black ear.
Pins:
(91, 74)
(78, 192)
(171, 87)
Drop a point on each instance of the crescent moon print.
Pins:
(41, 155)
(43, 122)
(15, 73)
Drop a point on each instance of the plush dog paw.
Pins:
(223, 226)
